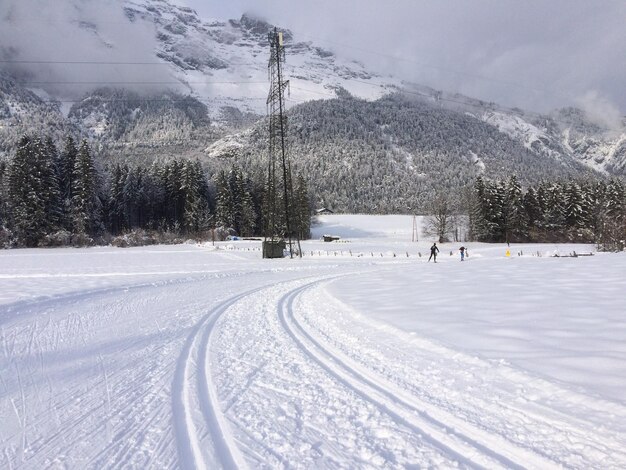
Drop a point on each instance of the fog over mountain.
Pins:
(534, 54)
(42, 42)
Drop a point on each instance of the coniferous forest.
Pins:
(590, 211)
(60, 197)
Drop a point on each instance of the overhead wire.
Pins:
(438, 98)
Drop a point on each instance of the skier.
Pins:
(433, 252)
(462, 250)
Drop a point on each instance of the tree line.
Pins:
(589, 211)
(52, 198)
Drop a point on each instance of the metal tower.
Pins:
(279, 211)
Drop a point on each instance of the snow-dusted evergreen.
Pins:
(567, 210)
(52, 198)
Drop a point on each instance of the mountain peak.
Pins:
(257, 26)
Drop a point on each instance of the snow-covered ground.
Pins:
(360, 355)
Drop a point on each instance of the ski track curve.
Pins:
(193, 363)
(193, 360)
(440, 434)
(90, 384)
(459, 434)
(204, 437)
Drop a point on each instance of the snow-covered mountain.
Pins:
(566, 132)
(210, 85)
(224, 63)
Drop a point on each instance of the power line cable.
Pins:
(101, 62)
(170, 82)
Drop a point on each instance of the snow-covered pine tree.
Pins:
(224, 204)
(302, 205)
(495, 196)
(514, 215)
(196, 211)
(131, 195)
(46, 155)
(117, 210)
(533, 211)
(26, 205)
(52, 183)
(154, 193)
(85, 205)
(174, 195)
(613, 224)
(245, 216)
(575, 216)
(555, 211)
(65, 174)
(615, 199)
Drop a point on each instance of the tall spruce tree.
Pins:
(4, 203)
(117, 209)
(245, 216)
(27, 205)
(85, 206)
(533, 211)
(65, 174)
(196, 210)
(477, 211)
(575, 216)
(302, 205)
(45, 154)
(224, 204)
(554, 220)
(514, 217)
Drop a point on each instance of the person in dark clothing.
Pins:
(462, 250)
(433, 252)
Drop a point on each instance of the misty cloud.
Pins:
(61, 33)
(600, 110)
(537, 54)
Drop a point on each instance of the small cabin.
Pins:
(323, 210)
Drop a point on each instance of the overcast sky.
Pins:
(531, 53)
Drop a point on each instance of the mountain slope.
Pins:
(22, 111)
(392, 154)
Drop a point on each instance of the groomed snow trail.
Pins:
(119, 376)
(505, 415)
(287, 411)
(208, 440)
(403, 408)
(225, 361)
(311, 383)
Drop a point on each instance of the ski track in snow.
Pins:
(188, 394)
(495, 428)
(270, 371)
(520, 433)
(390, 401)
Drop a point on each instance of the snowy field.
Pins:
(360, 355)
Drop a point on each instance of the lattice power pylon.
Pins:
(279, 210)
